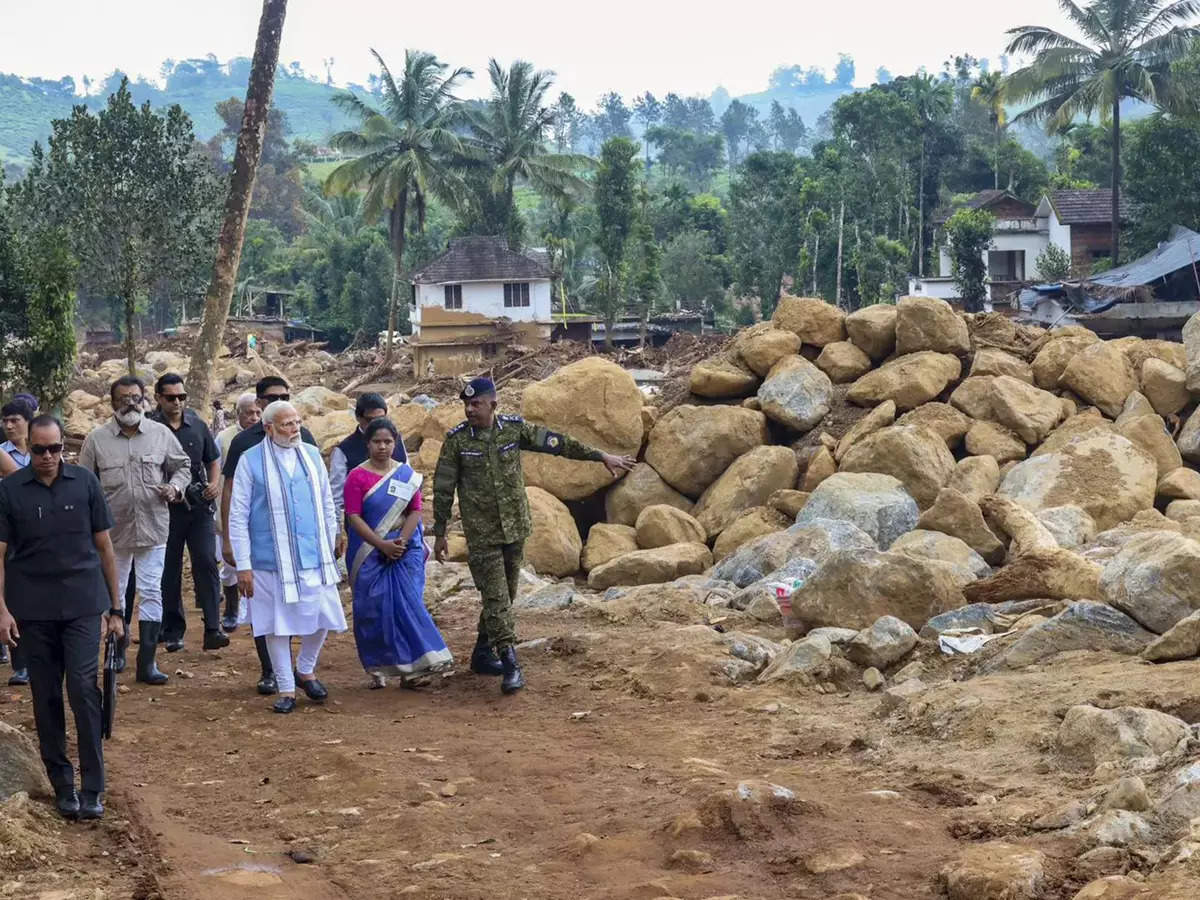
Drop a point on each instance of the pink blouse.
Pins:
(359, 481)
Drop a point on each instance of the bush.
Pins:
(970, 234)
(1053, 264)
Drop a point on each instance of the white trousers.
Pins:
(279, 646)
(148, 577)
(228, 572)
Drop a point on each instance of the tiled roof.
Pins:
(481, 259)
(981, 200)
(1086, 207)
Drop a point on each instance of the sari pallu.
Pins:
(393, 631)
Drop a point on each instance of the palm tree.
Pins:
(932, 100)
(990, 91)
(509, 137)
(1126, 52)
(402, 154)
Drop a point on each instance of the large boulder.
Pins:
(554, 546)
(974, 396)
(761, 557)
(1191, 348)
(872, 330)
(1164, 386)
(1102, 376)
(994, 871)
(996, 441)
(796, 394)
(606, 542)
(944, 549)
(1153, 578)
(1149, 433)
(1189, 438)
(975, 477)
(886, 641)
(842, 361)
(658, 526)
(1180, 484)
(880, 417)
(942, 418)
(21, 770)
(410, 420)
(1042, 573)
(959, 516)
(917, 457)
(853, 588)
(657, 566)
(761, 346)
(929, 323)
(594, 401)
(1084, 625)
(442, 418)
(1029, 412)
(749, 481)
(642, 487)
(1138, 351)
(1051, 361)
(721, 378)
(1070, 526)
(1082, 423)
(330, 429)
(991, 361)
(317, 401)
(813, 320)
(1090, 736)
(876, 503)
(748, 525)
(820, 466)
(692, 445)
(908, 380)
(1104, 474)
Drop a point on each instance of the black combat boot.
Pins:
(66, 801)
(266, 681)
(215, 639)
(229, 621)
(484, 660)
(90, 806)
(147, 671)
(513, 679)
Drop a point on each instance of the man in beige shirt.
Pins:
(142, 468)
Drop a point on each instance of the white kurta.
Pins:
(320, 606)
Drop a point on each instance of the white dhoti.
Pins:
(319, 608)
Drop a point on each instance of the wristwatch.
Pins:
(116, 612)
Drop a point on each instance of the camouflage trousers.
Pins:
(496, 570)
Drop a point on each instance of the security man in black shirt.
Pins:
(191, 521)
(58, 598)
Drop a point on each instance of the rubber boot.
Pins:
(147, 670)
(513, 679)
(484, 660)
(266, 682)
(229, 621)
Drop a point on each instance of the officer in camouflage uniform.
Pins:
(481, 459)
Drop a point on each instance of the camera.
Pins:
(193, 495)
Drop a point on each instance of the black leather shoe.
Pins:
(147, 670)
(173, 645)
(90, 806)
(284, 705)
(484, 660)
(66, 801)
(19, 678)
(213, 640)
(267, 685)
(514, 680)
(229, 624)
(313, 689)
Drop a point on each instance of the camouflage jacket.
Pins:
(484, 466)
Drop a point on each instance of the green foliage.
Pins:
(616, 180)
(764, 225)
(691, 271)
(1163, 178)
(881, 267)
(1053, 263)
(970, 234)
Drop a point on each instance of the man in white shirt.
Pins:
(248, 415)
(282, 528)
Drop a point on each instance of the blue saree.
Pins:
(393, 631)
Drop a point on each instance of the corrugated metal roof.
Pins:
(1086, 207)
(481, 258)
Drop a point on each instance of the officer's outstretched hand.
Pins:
(616, 464)
(441, 547)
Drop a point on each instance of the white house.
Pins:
(475, 298)
(1076, 221)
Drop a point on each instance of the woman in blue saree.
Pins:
(386, 556)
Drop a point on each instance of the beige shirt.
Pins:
(224, 439)
(130, 469)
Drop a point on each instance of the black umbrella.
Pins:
(108, 708)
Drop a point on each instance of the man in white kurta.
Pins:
(283, 526)
(248, 414)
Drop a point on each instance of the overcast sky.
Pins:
(623, 45)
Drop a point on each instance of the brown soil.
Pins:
(584, 785)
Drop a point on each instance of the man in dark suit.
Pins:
(58, 598)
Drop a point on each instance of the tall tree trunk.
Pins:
(397, 223)
(130, 290)
(237, 204)
(1116, 182)
(841, 233)
(816, 253)
(996, 157)
(921, 214)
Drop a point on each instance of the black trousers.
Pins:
(69, 647)
(194, 528)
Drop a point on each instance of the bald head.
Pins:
(282, 423)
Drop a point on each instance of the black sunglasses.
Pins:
(178, 398)
(45, 449)
(271, 398)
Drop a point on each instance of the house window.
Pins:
(453, 296)
(516, 293)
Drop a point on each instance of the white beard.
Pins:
(287, 443)
(130, 418)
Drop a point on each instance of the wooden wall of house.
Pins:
(1088, 240)
(1012, 208)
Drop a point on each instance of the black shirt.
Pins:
(197, 442)
(52, 568)
(252, 437)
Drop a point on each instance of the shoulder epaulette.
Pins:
(510, 419)
(457, 428)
